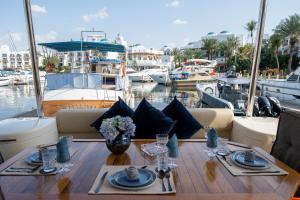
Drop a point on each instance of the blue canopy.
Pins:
(76, 46)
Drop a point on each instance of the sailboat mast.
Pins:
(256, 57)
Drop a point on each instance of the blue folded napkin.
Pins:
(173, 146)
(212, 138)
(63, 154)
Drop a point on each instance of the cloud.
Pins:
(180, 22)
(174, 3)
(78, 29)
(101, 14)
(50, 36)
(38, 9)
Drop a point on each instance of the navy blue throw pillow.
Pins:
(119, 108)
(150, 121)
(186, 125)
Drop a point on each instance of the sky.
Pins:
(152, 23)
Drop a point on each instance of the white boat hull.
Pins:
(162, 78)
(136, 77)
(283, 90)
(5, 82)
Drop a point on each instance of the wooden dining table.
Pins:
(196, 177)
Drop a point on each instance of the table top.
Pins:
(196, 177)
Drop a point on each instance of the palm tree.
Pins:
(176, 53)
(289, 28)
(210, 45)
(223, 47)
(250, 27)
(275, 42)
(232, 45)
(229, 46)
(188, 54)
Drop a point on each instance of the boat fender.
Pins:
(265, 106)
(276, 107)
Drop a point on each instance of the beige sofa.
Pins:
(77, 122)
(254, 131)
(18, 134)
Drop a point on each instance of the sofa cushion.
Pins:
(150, 121)
(186, 125)
(119, 108)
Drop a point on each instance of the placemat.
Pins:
(32, 170)
(235, 170)
(106, 188)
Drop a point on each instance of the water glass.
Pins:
(173, 151)
(162, 139)
(70, 143)
(222, 147)
(211, 143)
(48, 160)
(162, 158)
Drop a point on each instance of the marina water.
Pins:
(19, 100)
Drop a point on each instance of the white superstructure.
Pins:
(220, 37)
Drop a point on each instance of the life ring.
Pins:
(209, 90)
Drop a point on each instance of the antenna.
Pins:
(12, 43)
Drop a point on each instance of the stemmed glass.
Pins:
(162, 151)
(162, 139)
(163, 142)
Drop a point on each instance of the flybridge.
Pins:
(84, 46)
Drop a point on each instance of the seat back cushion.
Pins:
(150, 121)
(77, 122)
(218, 118)
(286, 147)
(186, 125)
(119, 108)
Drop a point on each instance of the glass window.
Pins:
(293, 78)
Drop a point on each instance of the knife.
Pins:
(101, 182)
(261, 172)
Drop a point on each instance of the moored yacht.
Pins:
(5, 81)
(285, 90)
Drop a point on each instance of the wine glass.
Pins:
(162, 139)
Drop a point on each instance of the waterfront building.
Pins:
(285, 47)
(220, 37)
(140, 57)
(14, 60)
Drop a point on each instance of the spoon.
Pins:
(161, 175)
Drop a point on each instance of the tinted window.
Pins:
(293, 78)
